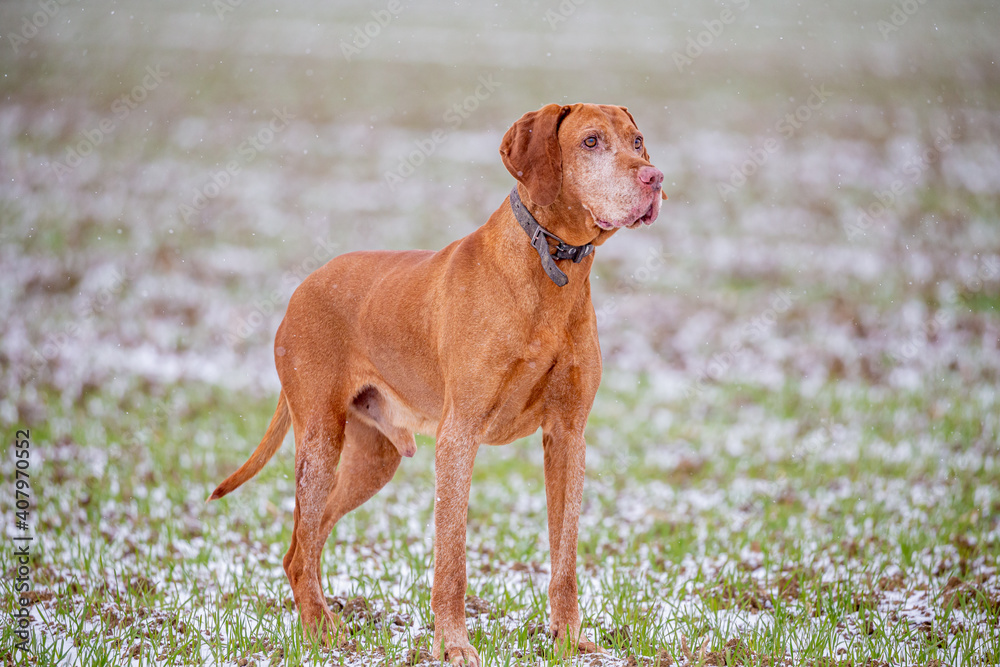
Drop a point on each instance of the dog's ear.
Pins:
(530, 151)
(645, 153)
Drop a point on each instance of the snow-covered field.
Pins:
(793, 456)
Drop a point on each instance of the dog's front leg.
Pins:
(565, 463)
(454, 456)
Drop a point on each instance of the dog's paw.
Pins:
(566, 647)
(463, 655)
(459, 654)
(328, 630)
(585, 646)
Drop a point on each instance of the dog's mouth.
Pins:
(646, 218)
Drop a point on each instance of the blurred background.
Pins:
(172, 170)
(803, 350)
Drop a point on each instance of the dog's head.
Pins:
(587, 155)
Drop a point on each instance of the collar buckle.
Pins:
(539, 233)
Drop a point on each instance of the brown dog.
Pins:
(479, 343)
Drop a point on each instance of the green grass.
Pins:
(764, 555)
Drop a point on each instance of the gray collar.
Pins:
(539, 242)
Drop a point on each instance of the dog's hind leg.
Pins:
(367, 463)
(317, 453)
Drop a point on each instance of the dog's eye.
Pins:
(638, 143)
(590, 142)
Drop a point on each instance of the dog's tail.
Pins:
(265, 450)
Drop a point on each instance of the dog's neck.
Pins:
(571, 222)
(511, 248)
(542, 241)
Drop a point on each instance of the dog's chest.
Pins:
(519, 399)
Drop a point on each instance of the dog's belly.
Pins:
(406, 416)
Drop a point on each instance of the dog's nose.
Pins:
(650, 176)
